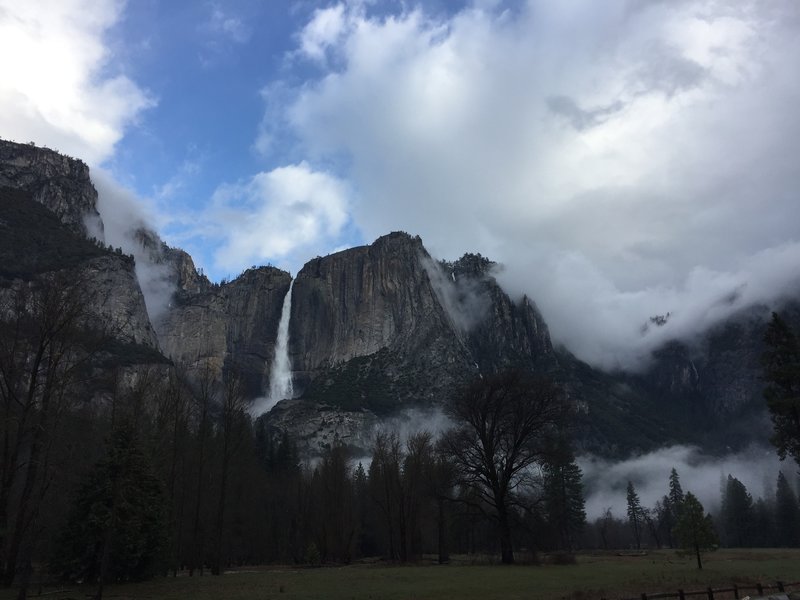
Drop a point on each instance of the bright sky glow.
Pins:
(622, 159)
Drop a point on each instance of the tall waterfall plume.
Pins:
(280, 380)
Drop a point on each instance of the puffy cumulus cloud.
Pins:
(623, 159)
(322, 31)
(606, 482)
(57, 85)
(284, 215)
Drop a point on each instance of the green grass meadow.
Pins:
(595, 576)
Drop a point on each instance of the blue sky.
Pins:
(621, 159)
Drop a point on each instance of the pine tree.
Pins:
(563, 489)
(675, 490)
(738, 514)
(635, 514)
(781, 366)
(787, 514)
(117, 522)
(695, 529)
(671, 505)
(764, 524)
(666, 518)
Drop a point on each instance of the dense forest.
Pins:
(112, 472)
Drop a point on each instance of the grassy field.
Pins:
(594, 577)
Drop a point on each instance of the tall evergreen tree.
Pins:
(563, 489)
(671, 507)
(117, 522)
(635, 514)
(781, 366)
(764, 530)
(738, 514)
(675, 490)
(787, 514)
(665, 520)
(695, 529)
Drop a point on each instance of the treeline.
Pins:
(113, 474)
(739, 521)
(186, 480)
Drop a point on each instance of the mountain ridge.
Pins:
(383, 328)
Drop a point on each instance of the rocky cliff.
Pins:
(713, 382)
(380, 329)
(58, 182)
(35, 245)
(374, 330)
(232, 327)
(45, 200)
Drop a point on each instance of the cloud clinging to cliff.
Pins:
(623, 159)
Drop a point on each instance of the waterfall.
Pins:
(280, 380)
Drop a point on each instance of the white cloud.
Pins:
(322, 31)
(280, 215)
(57, 85)
(124, 214)
(622, 159)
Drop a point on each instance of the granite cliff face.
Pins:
(384, 328)
(715, 380)
(46, 199)
(56, 181)
(36, 247)
(232, 326)
(374, 331)
(367, 329)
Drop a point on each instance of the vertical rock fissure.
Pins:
(280, 379)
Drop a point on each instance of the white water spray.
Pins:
(280, 381)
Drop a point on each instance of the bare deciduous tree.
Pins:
(501, 424)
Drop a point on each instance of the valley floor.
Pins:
(600, 575)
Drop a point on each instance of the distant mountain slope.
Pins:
(374, 331)
(35, 244)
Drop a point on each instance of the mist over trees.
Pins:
(119, 474)
(122, 473)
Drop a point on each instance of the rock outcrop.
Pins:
(231, 327)
(374, 330)
(367, 328)
(35, 246)
(58, 182)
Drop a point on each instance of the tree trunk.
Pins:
(697, 552)
(504, 529)
(26, 504)
(444, 557)
(108, 539)
(216, 568)
(197, 533)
